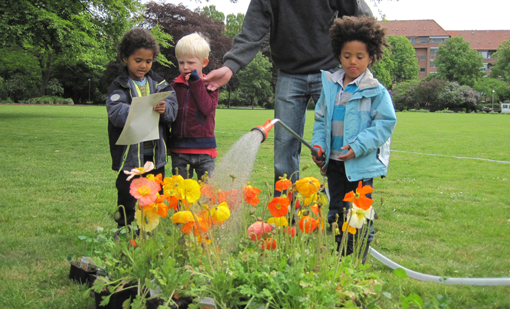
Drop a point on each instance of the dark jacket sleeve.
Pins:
(246, 45)
(352, 8)
(206, 101)
(117, 105)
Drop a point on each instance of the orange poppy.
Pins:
(315, 209)
(269, 244)
(279, 206)
(282, 185)
(359, 198)
(191, 225)
(291, 231)
(308, 186)
(349, 228)
(251, 195)
(307, 224)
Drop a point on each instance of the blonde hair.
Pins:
(195, 45)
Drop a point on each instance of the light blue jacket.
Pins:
(369, 122)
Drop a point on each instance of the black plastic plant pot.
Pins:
(79, 274)
(116, 300)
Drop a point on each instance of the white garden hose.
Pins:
(423, 277)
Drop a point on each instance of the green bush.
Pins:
(50, 100)
(423, 110)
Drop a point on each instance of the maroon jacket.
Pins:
(194, 125)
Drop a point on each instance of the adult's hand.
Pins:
(217, 78)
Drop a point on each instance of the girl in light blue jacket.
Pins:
(354, 117)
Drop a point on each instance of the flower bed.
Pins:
(236, 246)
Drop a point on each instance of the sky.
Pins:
(449, 14)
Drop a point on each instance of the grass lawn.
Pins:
(439, 214)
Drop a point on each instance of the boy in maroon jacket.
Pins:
(192, 142)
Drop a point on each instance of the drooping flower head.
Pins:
(256, 230)
(308, 186)
(149, 166)
(279, 206)
(220, 212)
(144, 190)
(269, 244)
(359, 197)
(283, 184)
(307, 224)
(250, 194)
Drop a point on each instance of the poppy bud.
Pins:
(116, 216)
(259, 219)
(252, 212)
(306, 212)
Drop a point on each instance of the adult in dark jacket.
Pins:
(300, 48)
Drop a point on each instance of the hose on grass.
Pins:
(444, 280)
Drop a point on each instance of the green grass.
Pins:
(438, 215)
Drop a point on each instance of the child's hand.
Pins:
(160, 107)
(349, 155)
(318, 157)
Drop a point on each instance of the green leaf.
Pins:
(400, 272)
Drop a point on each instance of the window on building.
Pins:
(432, 65)
(422, 69)
(424, 39)
(485, 67)
(413, 40)
(423, 58)
(437, 40)
(433, 51)
(485, 54)
(505, 105)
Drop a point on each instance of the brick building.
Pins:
(426, 35)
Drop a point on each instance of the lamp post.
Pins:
(493, 99)
(89, 90)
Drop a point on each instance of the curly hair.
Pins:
(137, 38)
(364, 29)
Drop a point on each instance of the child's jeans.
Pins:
(185, 163)
(339, 185)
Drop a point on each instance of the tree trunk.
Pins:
(45, 63)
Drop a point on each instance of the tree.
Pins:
(403, 57)
(456, 61)
(402, 94)
(502, 66)
(425, 94)
(178, 21)
(60, 31)
(234, 25)
(485, 86)
(213, 14)
(455, 96)
(383, 70)
(21, 73)
(254, 80)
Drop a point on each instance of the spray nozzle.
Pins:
(264, 129)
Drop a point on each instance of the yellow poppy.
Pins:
(279, 221)
(308, 186)
(221, 212)
(190, 190)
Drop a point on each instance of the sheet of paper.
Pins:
(142, 121)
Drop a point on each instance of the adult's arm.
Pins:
(245, 46)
